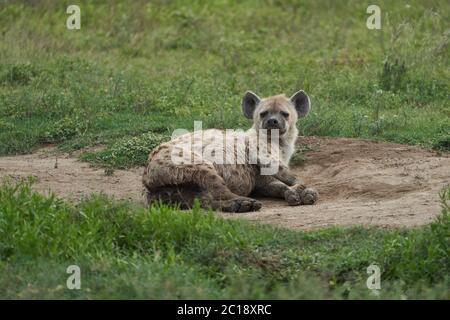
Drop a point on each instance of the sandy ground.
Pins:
(360, 183)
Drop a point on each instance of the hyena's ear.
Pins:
(249, 103)
(301, 102)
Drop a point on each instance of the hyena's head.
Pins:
(276, 112)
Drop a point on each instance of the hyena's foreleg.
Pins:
(284, 184)
(269, 186)
(286, 176)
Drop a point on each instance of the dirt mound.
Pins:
(364, 182)
(360, 182)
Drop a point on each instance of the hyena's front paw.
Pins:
(292, 197)
(301, 196)
(309, 196)
(241, 204)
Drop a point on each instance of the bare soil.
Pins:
(360, 183)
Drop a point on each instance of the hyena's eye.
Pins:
(284, 114)
(263, 114)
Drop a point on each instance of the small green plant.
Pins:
(18, 74)
(4, 125)
(65, 129)
(359, 123)
(393, 76)
(109, 171)
(441, 142)
(377, 127)
(299, 157)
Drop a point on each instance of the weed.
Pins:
(18, 74)
(393, 76)
(441, 142)
(65, 129)
(299, 157)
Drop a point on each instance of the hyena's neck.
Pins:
(286, 142)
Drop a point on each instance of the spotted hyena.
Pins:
(222, 168)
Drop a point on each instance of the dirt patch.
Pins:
(71, 178)
(360, 183)
(364, 183)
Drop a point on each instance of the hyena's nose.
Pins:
(272, 123)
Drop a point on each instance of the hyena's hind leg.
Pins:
(182, 196)
(171, 181)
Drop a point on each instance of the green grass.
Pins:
(145, 67)
(126, 152)
(126, 251)
(137, 70)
